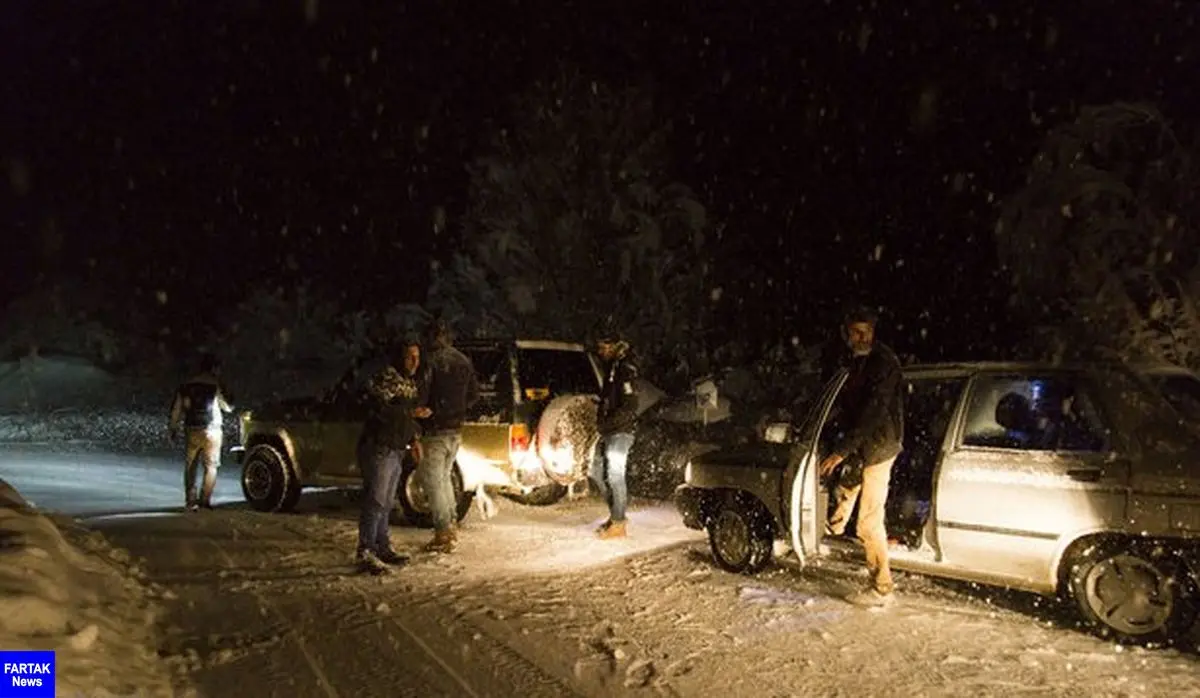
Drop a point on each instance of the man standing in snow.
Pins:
(389, 432)
(197, 408)
(872, 428)
(453, 390)
(616, 419)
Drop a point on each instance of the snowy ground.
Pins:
(67, 589)
(532, 605)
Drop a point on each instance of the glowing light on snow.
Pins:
(559, 457)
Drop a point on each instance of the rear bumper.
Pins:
(692, 503)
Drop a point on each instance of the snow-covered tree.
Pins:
(574, 217)
(290, 342)
(1101, 240)
(68, 318)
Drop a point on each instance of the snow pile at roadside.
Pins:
(67, 590)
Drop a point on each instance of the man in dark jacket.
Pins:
(389, 432)
(453, 390)
(617, 418)
(872, 428)
(197, 408)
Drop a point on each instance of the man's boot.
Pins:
(443, 542)
(614, 529)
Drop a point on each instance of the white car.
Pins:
(1077, 481)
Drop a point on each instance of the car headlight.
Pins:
(687, 472)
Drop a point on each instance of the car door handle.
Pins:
(1085, 474)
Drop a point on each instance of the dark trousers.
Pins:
(608, 472)
(381, 476)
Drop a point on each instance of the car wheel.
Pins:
(740, 535)
(1137, 594)
(413, 505)
(542, 496)
(268, 482)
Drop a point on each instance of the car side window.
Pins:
(1033, 413)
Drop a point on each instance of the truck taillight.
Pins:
(518, 438)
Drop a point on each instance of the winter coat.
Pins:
(618, 410)
(392, 396)
(198, 404)
(871, 408)
(453, 389)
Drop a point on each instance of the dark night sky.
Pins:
(174, 142)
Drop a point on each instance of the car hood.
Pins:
(759, 454)
(292, 408)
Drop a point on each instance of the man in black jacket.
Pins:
(617, 418)
(389, 432)
(197, 408)
(872, 428)
(453, 390)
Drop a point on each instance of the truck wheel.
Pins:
(414, 505)
(542, 496)
(268, 482)
(1136, 594)
(740, 535)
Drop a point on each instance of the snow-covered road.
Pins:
(532, 605)
(82, 482)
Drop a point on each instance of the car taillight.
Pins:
(518, 438)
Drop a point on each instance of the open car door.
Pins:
(805, 516)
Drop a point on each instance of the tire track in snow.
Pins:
(309, 659)
(509, 672)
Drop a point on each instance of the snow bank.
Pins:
(65, 589)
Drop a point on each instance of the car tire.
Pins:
(410, 500)
(542, 496)
(1137, 594)
(269, 483)
(741, 535)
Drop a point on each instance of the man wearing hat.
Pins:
(617, 417)
(871, 411)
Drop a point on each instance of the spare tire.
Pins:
(566, 438)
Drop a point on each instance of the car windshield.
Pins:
(489, 365)
(1143, 411)
(556, 371)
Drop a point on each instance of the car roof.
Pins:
(1165, 370)
(966, 368)
(550, 344)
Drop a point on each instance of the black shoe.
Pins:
(192, 506)
(369, 563)
(391, 557)
(206, 505)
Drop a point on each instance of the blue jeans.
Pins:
(612, 454)
(437, 463)
(381, 477)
